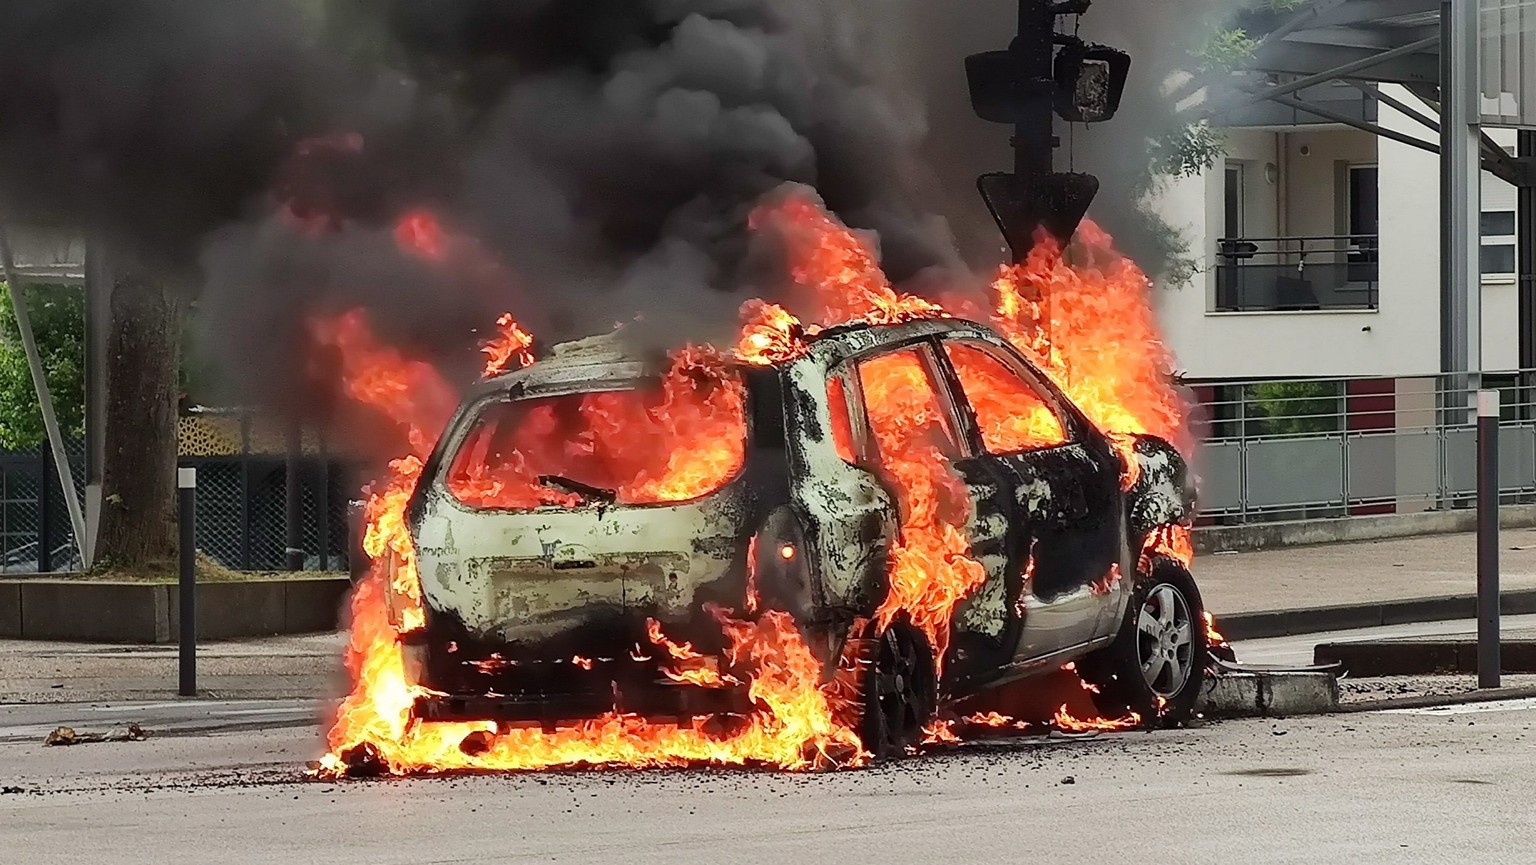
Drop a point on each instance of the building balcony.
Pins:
(1296, 274)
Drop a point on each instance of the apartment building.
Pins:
(1312, 334)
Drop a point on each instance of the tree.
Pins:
(57, 313)
(1294, 408)
(1195, 146)
(138, 483)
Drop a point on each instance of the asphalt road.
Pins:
(1429, 786)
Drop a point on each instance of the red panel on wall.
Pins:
(1371, 404)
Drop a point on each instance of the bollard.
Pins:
(1488, 539)
(186, 495)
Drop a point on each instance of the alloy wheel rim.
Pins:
(899, 697)
(1165, 640)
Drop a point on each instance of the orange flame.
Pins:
(510, 345)
(1170, 541)
(793, 727)
(1065, 721)
(1213, 637)
(769, 334)
(678, 444)
(1090, 328)
(1086, 324)
(1105, 584)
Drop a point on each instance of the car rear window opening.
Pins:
(678, 440)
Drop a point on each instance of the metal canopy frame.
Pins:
(1361, 43)
(16, 279)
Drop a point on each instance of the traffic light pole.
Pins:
(1033, 50)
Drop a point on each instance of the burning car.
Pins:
(930, 512)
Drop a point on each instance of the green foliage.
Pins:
(57, 313)
(1194, 148)
(1189, 150)
(1293, 408)
(1225, 51)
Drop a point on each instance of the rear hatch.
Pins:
(567, 509)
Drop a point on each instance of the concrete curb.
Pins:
(1300, 533)
(1345, 617)
(1418, 657)
(1430, 701)
(106, 612)
(1269, 695)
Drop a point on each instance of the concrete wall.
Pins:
(93, 611)
(1311, 164)
(1255, 149)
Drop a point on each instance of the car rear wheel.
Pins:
(900, 692)
(1156, 665)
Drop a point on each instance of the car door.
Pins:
(954, 505)
(1064, 547)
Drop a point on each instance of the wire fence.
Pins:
(241, 510)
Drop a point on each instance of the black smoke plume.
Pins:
(588, 161)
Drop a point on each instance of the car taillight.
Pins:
(780, 577)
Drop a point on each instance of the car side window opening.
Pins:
(843, 436)
(906, 407)
(1010, 410)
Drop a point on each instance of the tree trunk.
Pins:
(138, 472)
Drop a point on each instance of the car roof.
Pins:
(853, 339)
(606, 359)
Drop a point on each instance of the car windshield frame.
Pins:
(439, 468)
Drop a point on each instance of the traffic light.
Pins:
(1086, 86)
(1090, 80)
(1042, 75)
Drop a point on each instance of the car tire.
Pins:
(900, 692)
(1155, 667)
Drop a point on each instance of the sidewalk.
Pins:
(1293, 590)
(1359, 573)
(1302, 589)
(270, 668)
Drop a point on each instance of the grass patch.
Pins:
(208, 571)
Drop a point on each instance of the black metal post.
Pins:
(245, 492)
(44, 507)
(293, 557)
(186, 492)
(1525, 266)
(1488, 539)
(1034, 127)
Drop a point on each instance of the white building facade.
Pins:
(1312, 335)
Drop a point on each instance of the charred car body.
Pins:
(538, 611)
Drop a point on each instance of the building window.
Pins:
(1498, 252)
(1362, 256)
(1233, 200)
(1363, 221)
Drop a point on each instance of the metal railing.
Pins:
(1323, 448)
(1292, 274)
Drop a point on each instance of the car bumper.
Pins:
(659, 702)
